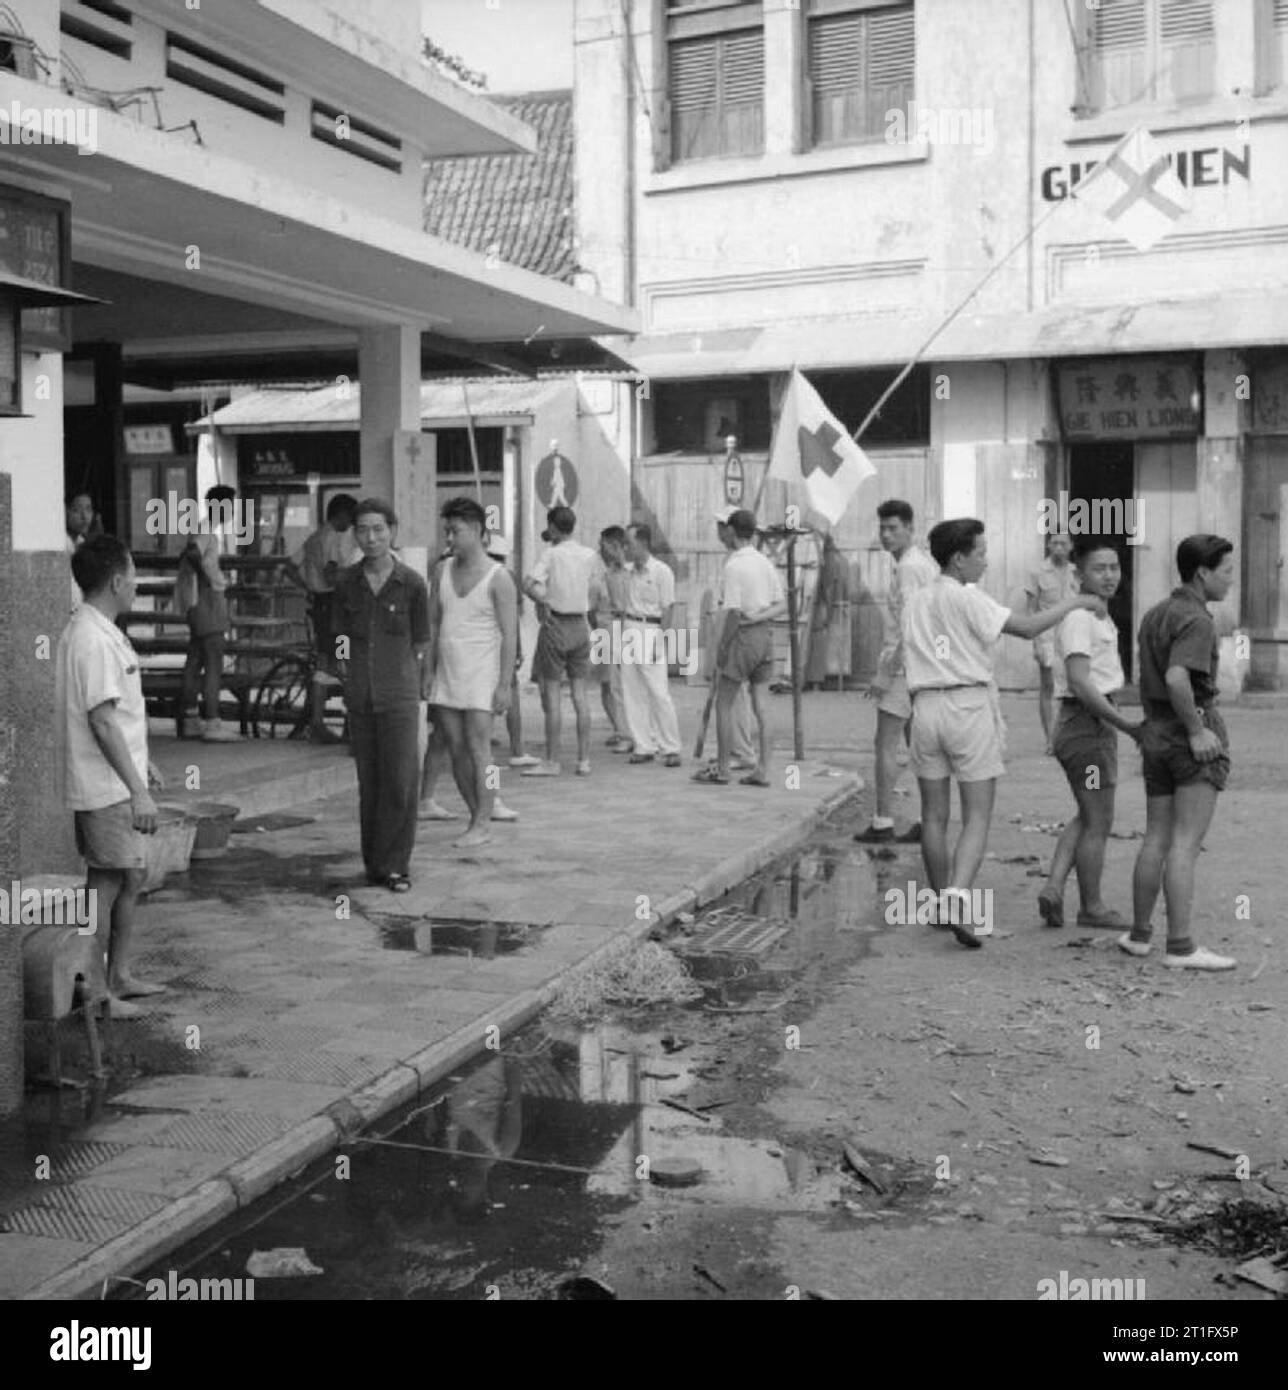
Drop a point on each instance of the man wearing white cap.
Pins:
(743, 756)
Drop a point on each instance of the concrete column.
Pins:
(784, 94)
(1219, 486)
(602, 156)
(10, 936)
(389, 373)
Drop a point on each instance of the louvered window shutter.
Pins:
(861, 66)
(692, 90)
(1186, 50)
(742, 92)
(1272, 45)
(1120, 52)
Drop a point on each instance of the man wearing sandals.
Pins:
(751, 598)
(1087, 674)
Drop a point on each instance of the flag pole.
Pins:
(474, 452)
(979, 285)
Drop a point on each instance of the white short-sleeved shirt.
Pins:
(750, 581)
(326, 546)
(652, 589)
(913, 570)
(1081, 633)
(950, 633)
(565, 570)
(96, 663)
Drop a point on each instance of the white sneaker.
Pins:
(500, 811)
(1134, 948)
(216, 731)
(1200, 959)
(524, 760)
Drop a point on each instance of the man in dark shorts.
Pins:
(101, 749)
(1184, 746)
(560, 581)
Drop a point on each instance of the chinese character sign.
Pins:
(1129, 398)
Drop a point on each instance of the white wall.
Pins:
(31, 451)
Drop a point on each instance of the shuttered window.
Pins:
(1272, 45)
(1150, 50)
(861, 67)
(715, 80)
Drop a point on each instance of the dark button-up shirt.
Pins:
(1177, 632)
(384, 629)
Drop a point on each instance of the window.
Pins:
(197, 66)
(1148, 50)
(694, 417)
(101, 23)
(1272, 45)
(861, 63)
(715, 58)
(905, 417)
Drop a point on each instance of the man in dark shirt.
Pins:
(381, 615)
(1184, 748)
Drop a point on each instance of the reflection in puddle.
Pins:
(483, 940)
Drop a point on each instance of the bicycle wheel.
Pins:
(282, 700)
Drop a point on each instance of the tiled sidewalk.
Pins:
(289, 1021)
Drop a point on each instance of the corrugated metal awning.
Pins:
(890, 340)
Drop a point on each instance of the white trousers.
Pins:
(650, 714)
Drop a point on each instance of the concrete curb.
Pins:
(346, 1119)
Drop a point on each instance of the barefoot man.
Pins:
(475, 632)
(101, 732)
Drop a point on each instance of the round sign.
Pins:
(556, 481)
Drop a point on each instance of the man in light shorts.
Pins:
(609, 594)
(752, 588)
(913, 569)
(101, 751)
(1053, 580)
(475, 634)
(950, 632)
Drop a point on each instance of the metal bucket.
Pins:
(214, 825)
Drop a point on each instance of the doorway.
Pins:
(1106, 472)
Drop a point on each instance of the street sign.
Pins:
(734, 480)
(556, 481)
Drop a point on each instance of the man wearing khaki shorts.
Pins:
(950, 632)
(913, 569)
(101, 751)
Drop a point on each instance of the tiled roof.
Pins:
(518, 206)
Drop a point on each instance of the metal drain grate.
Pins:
(83, 1212)
(748, 938)
(236, 1132)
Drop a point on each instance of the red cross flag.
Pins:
(812, 448)
(1136, 190)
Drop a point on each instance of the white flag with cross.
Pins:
(812, 448)
(1135, 189)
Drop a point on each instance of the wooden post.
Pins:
(798, 731)
(474, 453)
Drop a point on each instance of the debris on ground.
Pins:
(1239, 1229)
(582, 1288)
(285, 1262)
(675, 1172)
(1263, 1273)
(862, 1167)
(630, 975)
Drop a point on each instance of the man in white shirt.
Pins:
(913, 569)
(650, 714)
(751, 597)
(1087, 673)
(560, 581)
(950, 632)
(200, 594)
(101, 755)
(743, 755)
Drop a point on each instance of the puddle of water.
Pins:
(482, 940)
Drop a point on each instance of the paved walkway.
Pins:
(292, 1017)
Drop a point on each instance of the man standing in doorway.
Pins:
(560, 581)
(1053, 580)
(1185, 749)
(913, 569)
(650, 714)
(101, 751)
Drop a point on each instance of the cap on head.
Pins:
(722, 515)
